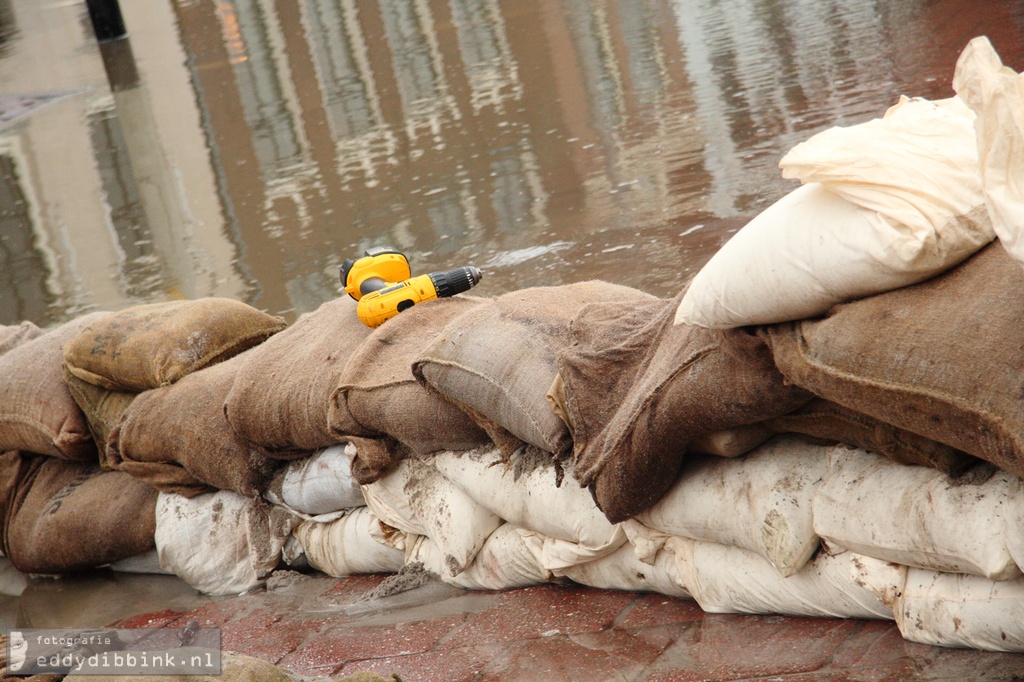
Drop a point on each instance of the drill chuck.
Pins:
(455, 281)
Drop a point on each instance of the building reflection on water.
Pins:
(263, 141)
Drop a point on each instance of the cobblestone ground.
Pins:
(322, 627)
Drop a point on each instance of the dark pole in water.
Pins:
(107, 21)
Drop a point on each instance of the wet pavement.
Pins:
(321, 627)
(243, 149)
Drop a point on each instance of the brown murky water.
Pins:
(244, 148)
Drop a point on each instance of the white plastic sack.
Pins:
(884, 204)
(955, 610)
(417, 499)
(622, 570)
(556, 554)
(319, 484)
(917, 516)
(12, 581)
(351, 544)
(760, 502)
(220, 543)
(732, 580)
(530, 500)
(996, 94)
(503, 562)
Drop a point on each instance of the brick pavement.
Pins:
(318, 627)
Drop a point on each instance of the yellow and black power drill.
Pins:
(383, 284)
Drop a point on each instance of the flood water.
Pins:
(244, 148)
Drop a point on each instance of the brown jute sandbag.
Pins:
(102, 408)
(69, 516)
(280, 397)
(943, 359)
(37, 412)
(499, 359)
(155, 344)
(177, 439)
(638, 388)
(378, 392)
(17, 334)
(825, 420)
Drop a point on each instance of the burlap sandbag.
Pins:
(17, 334)
(280, 398)
(828, 421)
(943, 359)
(102, 408)
(69, 516)
(177, 439)
(499, 359)
(37, 412)
(378, 392)
(155, 344)
(638, 388)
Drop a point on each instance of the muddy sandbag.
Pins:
(954, 610)
(280, 398)
(500, 358)
(37, 412)
(354, 543)
(622, 570)
(220, 543)
(726, 579)
(17, 334)
(828, 421)
(69, 516)
(378, 392)
(638, 388)
(503, 563)
(761, 502)
(102, 408)
(919, 517)
(319, 484)
(155, 344)
(943, 359)
(418, 500)
(177, 439)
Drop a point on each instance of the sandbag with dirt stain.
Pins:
(638, 389)
(499, 359)
(943, 359)
(177, 439)
(37, 412)
(279, 401)
(60, 516)
(155, 344)
(379, 393)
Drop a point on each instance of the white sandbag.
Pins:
(996, 94)
(622, 570)
(917, 516)
(319, 484)
(526, 495)
(220, 543)
(884, 204)
(956, 610)
(760, 502)
(503, 563)
(147, 562)
(732, 580)
(417, 499)
(556, 554)
(351, 544)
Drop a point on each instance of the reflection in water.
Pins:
(621, 139)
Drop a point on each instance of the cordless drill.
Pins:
(383, 284)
